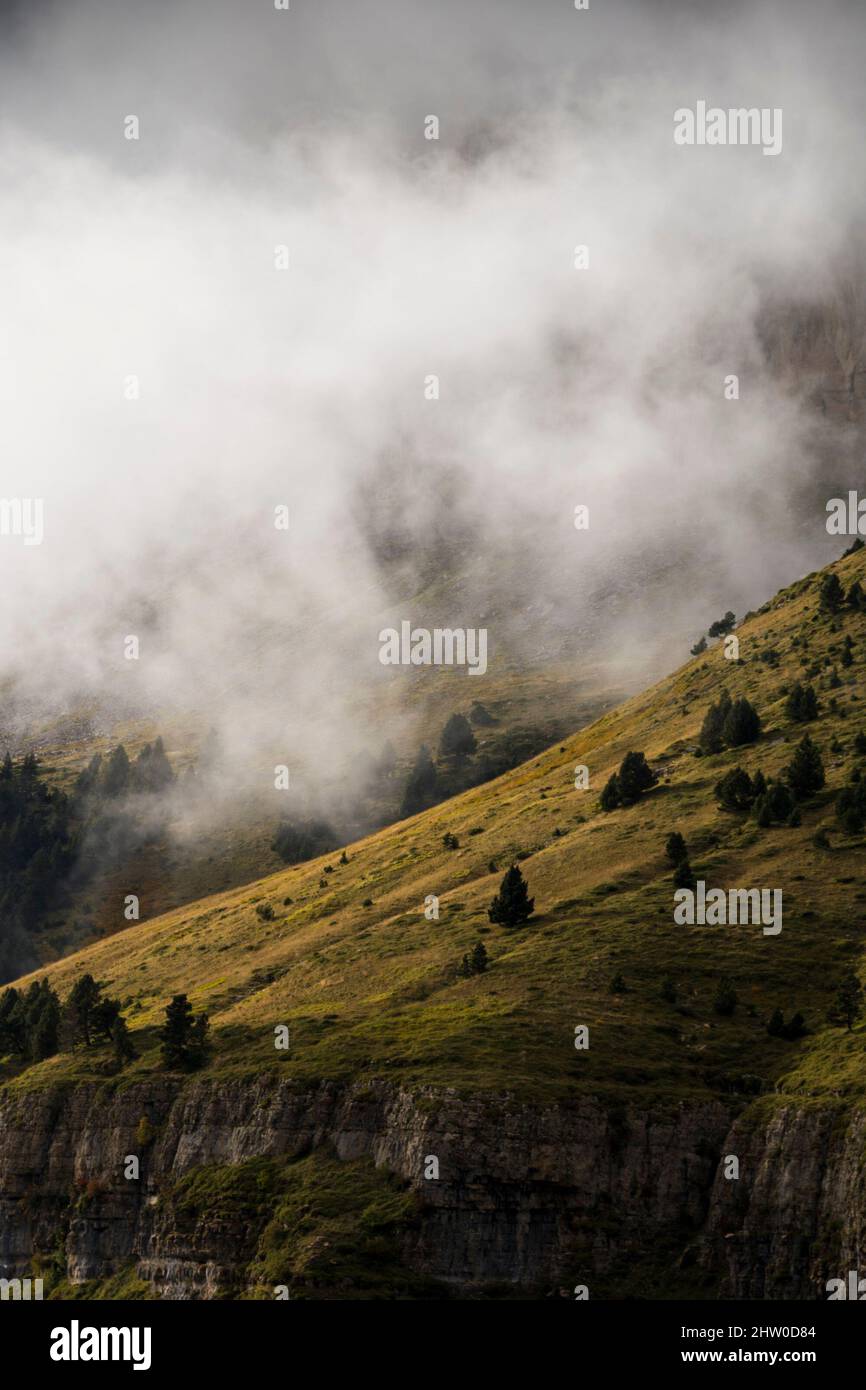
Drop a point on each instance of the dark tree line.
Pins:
(34, 1025)
(45, 835)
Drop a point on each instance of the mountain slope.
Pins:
(391, 1047)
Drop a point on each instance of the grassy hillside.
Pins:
(369, 987)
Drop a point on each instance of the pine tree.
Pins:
(855, 597)
(635, 776)
(610, 798)
(805, 773)
(676, 848)
(700, 646)
(776, 1024)
(79, 1009)
(795, 1027)
(183, 1036)
(722, 626)
(848, 1005)
(775, 807)
(44, 1029)
(851, 807)
(742, 724)
(512, 906)
(122, 1043)
(725, 1000)
(684, 877)
(711, 737)
(115, 778)
(802, 703)
(422, 787)
(479, 959)
(11, 1031)
(832, 594)
(735, 791)
(153, 771)
(458, 740)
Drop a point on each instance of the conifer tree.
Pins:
(684, 876)
(725, 1000)
(512, 906)
(183, 1035)
(421, 788)
(79, 1010)
(457, 740)
(802, 703)
(635, 776)
(479, 959)
(121, 1042)
(805, 773)
(851, 807)
(742, 724)
(832, 594)
(735, 791)
(848, 1005)
(610, 798)
(855, 598)
(711, 737)
(676, 848)
(115, 777)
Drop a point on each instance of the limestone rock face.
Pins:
(538, 1198)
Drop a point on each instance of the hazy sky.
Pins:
(155, 258)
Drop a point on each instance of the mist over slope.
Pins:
(165, 386)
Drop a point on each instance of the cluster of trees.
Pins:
(801, 704)
(833, 598)
(474, 964)
(792, 1030)
(729, 724)
(460, 763)
(627, 786)
(30, 1022)
(720, 628)
(38, 847)
(427, 783)
(116, 776)
(296, 841)
(34, 1025)
(774, 801)
(677, 852)
(45, 834)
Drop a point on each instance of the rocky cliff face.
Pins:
(537, 1198)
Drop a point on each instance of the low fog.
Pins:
(304, 387)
